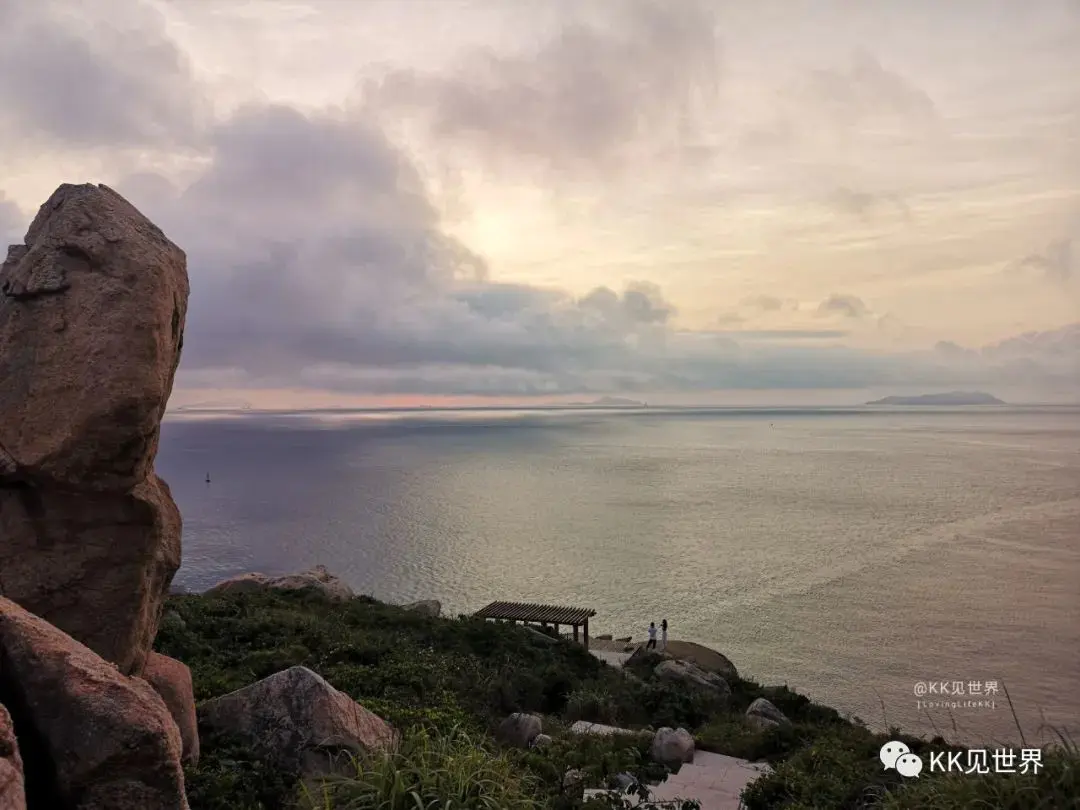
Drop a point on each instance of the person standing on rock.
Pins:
(652, 637)
(663, 634)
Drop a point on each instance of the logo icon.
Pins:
(895, 754)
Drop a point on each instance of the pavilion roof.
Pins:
(529, 612)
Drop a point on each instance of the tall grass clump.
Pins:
(430, 771)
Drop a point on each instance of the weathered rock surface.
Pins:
(694, 676)
(298, 721)
(704, 657)
(92, 312)
(519, 729)
(317, 580)
(171, 679)
(95, 564)
(92, 738)
(601, 730)
(429, 607)
(762, 714)
(540, 741)
(12, 790)
(672, 747)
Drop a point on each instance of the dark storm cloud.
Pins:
(578, 102)
(1058, 263)
(317, 258)
(850, 306)
(93, 80)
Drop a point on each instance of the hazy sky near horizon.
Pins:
(442, 198)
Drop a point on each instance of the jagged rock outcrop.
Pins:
(315, 580)
(12, 789)
(171, 679)
(92, 312)
(298, 721)
(91, 737)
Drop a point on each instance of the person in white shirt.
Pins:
(652, 637)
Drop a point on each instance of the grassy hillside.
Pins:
(446, 683)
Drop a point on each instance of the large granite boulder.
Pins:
(703, 657)
(171, 679)
(519, 729)
(12, 789)
(762, 714)
(315, 580)
(672, 747)
(298, 721)
(691, 675)
(92, 737)
(92, 312)
(95, 564)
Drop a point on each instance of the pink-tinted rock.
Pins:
(316, 580)
(95, 564)
(172, 680)
(298, 721)
(104, 741)
(12, 790)
(92, 311)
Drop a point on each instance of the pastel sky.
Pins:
(429, 201)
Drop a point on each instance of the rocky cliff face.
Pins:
(92, 312)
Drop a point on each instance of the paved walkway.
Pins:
(714, 780)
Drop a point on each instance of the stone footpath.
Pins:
(714, 780)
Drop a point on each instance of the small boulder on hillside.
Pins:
(315, 580)
(12, 787)
(102, 739)
(428, 607)
(762, 714)
(519, 729)
(299, 722)
(672, 747)
(684, 672)
(171, 679)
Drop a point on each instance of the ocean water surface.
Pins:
(858, 555)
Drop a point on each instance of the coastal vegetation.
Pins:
(446, 684)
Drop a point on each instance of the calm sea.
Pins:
(852, 554)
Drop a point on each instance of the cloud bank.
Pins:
(319, 259)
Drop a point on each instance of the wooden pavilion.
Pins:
(528, 613)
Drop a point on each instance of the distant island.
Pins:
(610, 402)
(951, 398)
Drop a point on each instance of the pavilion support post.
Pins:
(586, 634)
(575, 634)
